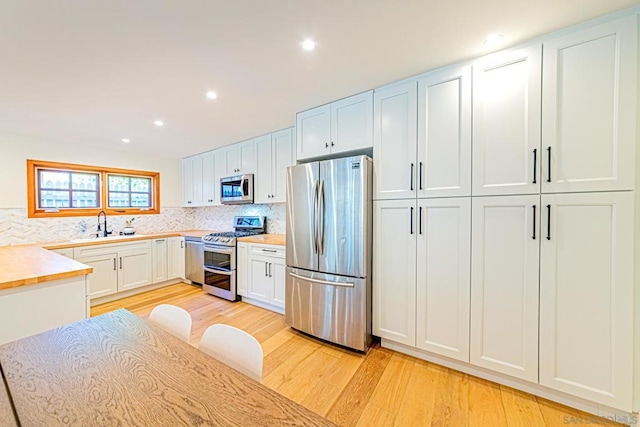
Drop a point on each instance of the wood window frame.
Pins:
(33, 211)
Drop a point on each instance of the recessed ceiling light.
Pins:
(125, 140)
(158, 123)
(494, 40)
(212, 95)
(308, 45)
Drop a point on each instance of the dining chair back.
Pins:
(235, 348)
(175, 320)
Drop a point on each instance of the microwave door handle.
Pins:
(244, 182)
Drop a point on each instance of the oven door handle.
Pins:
(223, 272)
(219, 250)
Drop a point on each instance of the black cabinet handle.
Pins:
(326, 145)
(411, 176)
(535, 165)
(120, 263)
(266, 266)
(548, 164)
(270, 270)
(420, 220)
(411, 220)
(114, 264)
(420, 180)
(534, 223)
(548, 222)
(332, 144)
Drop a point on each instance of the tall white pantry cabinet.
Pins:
(505, 216)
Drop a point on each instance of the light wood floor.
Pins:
(383, 388)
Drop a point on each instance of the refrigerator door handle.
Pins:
(323, 282)
(315, 216)
(321, 219)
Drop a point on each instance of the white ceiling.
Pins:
(96, 71)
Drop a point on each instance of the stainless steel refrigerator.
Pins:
(329, 228)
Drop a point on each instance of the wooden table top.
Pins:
(6, 412)
(30, 265)
(117, 369)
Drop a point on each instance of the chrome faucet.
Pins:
(106, 233)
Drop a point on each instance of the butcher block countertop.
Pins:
(265, 239)
(31, 265)
(118, 369)
(22, 265)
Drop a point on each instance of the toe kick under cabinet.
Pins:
(261, 275)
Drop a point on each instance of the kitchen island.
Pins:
(39, 290)
(117, 369)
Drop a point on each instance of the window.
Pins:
(62, 189)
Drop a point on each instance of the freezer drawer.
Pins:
(330, 307)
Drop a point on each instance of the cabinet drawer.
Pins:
(267, 250)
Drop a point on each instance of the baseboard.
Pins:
(136, 291)
(264, 305)
(535, 389)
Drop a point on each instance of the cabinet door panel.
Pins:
(208, 188)
(247, 155)
(313, 129)
(264, 171)
(187, 182)
(260, 285)
(444, 133)
(196, 167)
(394, 275)
(175, 258)
(283, 157)
(135, 269)
(394, 142)
(443, 280)
(160, 272)
(504, 285)
(104, 279)
(506, 123)
(232, 161)
(279, 274)
(242, 269)
(586, 291)
(220, 171)
(352, 123)
(589, 108)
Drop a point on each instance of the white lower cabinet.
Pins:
(175, 258)
(586, 296)
(117, 267)
(394, 270)
(421, 274)
(160, 270)
(443, 276)
(261, 274)
(504, 285)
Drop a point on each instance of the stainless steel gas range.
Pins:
(220, 256)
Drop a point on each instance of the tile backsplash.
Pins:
(16, 228)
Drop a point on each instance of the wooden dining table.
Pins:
(120, 370)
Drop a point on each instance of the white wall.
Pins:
(15, 150)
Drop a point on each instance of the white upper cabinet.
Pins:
(352, 123)
(504, 285)
(395, 111)
(241, 158)
(394, 271)
(340, 127)
(444, 133)
(313, 128)
(586, 296)
(275, 152)
(197, 180)
(589, 109)
(506, 122)
(220, 171)
(443, 276)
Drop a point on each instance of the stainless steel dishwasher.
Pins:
(194, 262)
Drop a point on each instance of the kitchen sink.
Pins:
(99, 239)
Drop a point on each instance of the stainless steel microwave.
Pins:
(236, 190)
